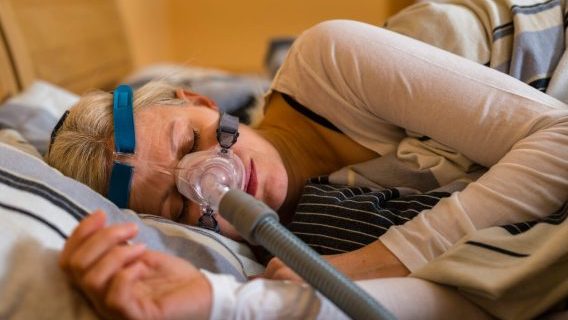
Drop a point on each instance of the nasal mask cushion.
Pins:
(205, 176)
(200, 175)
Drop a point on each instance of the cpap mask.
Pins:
(205, 176)
(202, 177)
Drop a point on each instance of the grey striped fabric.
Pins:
(529, 46)
(39, 208)
(33, 193)
(523, 38)
(335, 219)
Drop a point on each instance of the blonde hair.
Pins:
(83, 146)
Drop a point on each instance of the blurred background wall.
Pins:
(229, 34)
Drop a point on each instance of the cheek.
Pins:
(193, 214)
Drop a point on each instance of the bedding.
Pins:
(525, 41)
(28, 271)
(238, 94)
(39, 208)
(14, 138)
(35, 111)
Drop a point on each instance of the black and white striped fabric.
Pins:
(335, 219)
(555, 219)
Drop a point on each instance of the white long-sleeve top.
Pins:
(375, 85)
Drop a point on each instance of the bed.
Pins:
(40, 76)
(32, 50)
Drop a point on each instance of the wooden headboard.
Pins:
(76, 44)
(8, 82)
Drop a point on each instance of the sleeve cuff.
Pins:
(403, 249)
(224, 297)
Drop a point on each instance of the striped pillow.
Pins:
(39, 208)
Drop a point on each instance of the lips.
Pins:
(252, 180)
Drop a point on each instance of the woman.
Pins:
(369, 83)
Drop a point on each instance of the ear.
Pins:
(196, 99)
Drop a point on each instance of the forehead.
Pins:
(162, 134)
(158, 131)
(154, 158)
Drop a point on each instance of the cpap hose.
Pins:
(258, 224)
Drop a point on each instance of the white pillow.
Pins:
(35, 112)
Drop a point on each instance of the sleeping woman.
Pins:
(347, 93)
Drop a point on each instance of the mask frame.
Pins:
(227, 135)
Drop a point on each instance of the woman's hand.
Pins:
(372, 261)
(128, 281)
(277, 270)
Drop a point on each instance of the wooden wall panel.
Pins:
(149, 30)
(230, 34)
(8, 82)
(235, 34)
(78, 45)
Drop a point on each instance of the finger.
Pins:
(122, 295)
(97, 278)
(286, 273)
(96, 246)
(155, 261)
(277, 270)
(85, 229)
(273, 265)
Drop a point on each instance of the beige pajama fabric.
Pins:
(376, 86)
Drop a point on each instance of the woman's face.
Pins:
(164, 134)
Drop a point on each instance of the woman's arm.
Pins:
(128, 281)
(369, 262)
(371, 83)
(125, 280)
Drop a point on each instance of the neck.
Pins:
(296, 172)
(304, 151)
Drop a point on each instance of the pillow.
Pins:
(35, 112)
(238, 94)
(39, 208)
(14, 138)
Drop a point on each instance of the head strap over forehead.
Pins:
(124, 143)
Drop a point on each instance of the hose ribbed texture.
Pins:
(353, 300)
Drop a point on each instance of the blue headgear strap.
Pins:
(125, 143)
